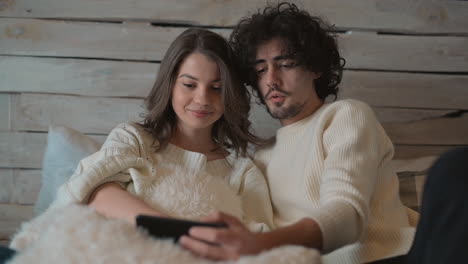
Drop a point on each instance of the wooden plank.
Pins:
(398, 89)
(405, 116)
(26, 186)
(97, 115)
(424, 127)
(75, 76)
(113, 79)
(403, 16)
(403, 126)
(416, 151)
(35, 112)
(142, 42)
(21, 150)
(404, 53)
(11, 217)
(4, 110)
(19, 186)
(84, 39)
(25, 150)
(16, 159)
(416, 16)
(6, 185)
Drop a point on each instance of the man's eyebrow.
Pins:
(259, 61)
(277, 58)
(283, 57)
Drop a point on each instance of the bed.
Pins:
(407, 60)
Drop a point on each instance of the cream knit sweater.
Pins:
(332, 167)
(174, 181)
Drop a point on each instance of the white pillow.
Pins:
(65, 148)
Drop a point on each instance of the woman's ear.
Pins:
(317, 75)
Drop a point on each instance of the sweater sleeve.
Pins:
(119, 153)
(355, 145)
(258, 212)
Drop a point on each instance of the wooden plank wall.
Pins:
(88, 64)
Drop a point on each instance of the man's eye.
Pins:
(260, 71)
(288, 65)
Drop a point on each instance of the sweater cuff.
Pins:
(339, 224)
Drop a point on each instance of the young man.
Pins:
(329, 181)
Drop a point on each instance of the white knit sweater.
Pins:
(174, 181)
(333, 167)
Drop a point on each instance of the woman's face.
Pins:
(196, 95)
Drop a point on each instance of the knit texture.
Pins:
(333, 167)
(174, 181)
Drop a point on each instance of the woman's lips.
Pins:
(200, 113)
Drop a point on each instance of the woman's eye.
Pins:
(217, 89)
(189, 85)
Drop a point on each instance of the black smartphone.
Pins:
(165, 227)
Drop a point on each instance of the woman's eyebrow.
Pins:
(188, 76)
(194, 78)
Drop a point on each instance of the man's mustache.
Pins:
(275, 89)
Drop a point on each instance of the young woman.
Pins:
(189, 155)
(193, 142)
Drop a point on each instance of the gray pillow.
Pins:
(412, 175)
(65, 148)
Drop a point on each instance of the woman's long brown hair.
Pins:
(232, 130)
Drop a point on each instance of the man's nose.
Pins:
(272, 77)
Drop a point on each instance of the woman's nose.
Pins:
(202, 96)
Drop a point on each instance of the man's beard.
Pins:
(285, 112)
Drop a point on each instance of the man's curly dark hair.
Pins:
(306, 40)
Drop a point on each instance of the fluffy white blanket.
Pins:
(77, 234)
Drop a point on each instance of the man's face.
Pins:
(287, 88)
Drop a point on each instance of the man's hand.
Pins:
(223, 243)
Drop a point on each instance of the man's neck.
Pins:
(309, 109)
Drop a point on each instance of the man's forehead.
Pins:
(274, 49)
(275, 43)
